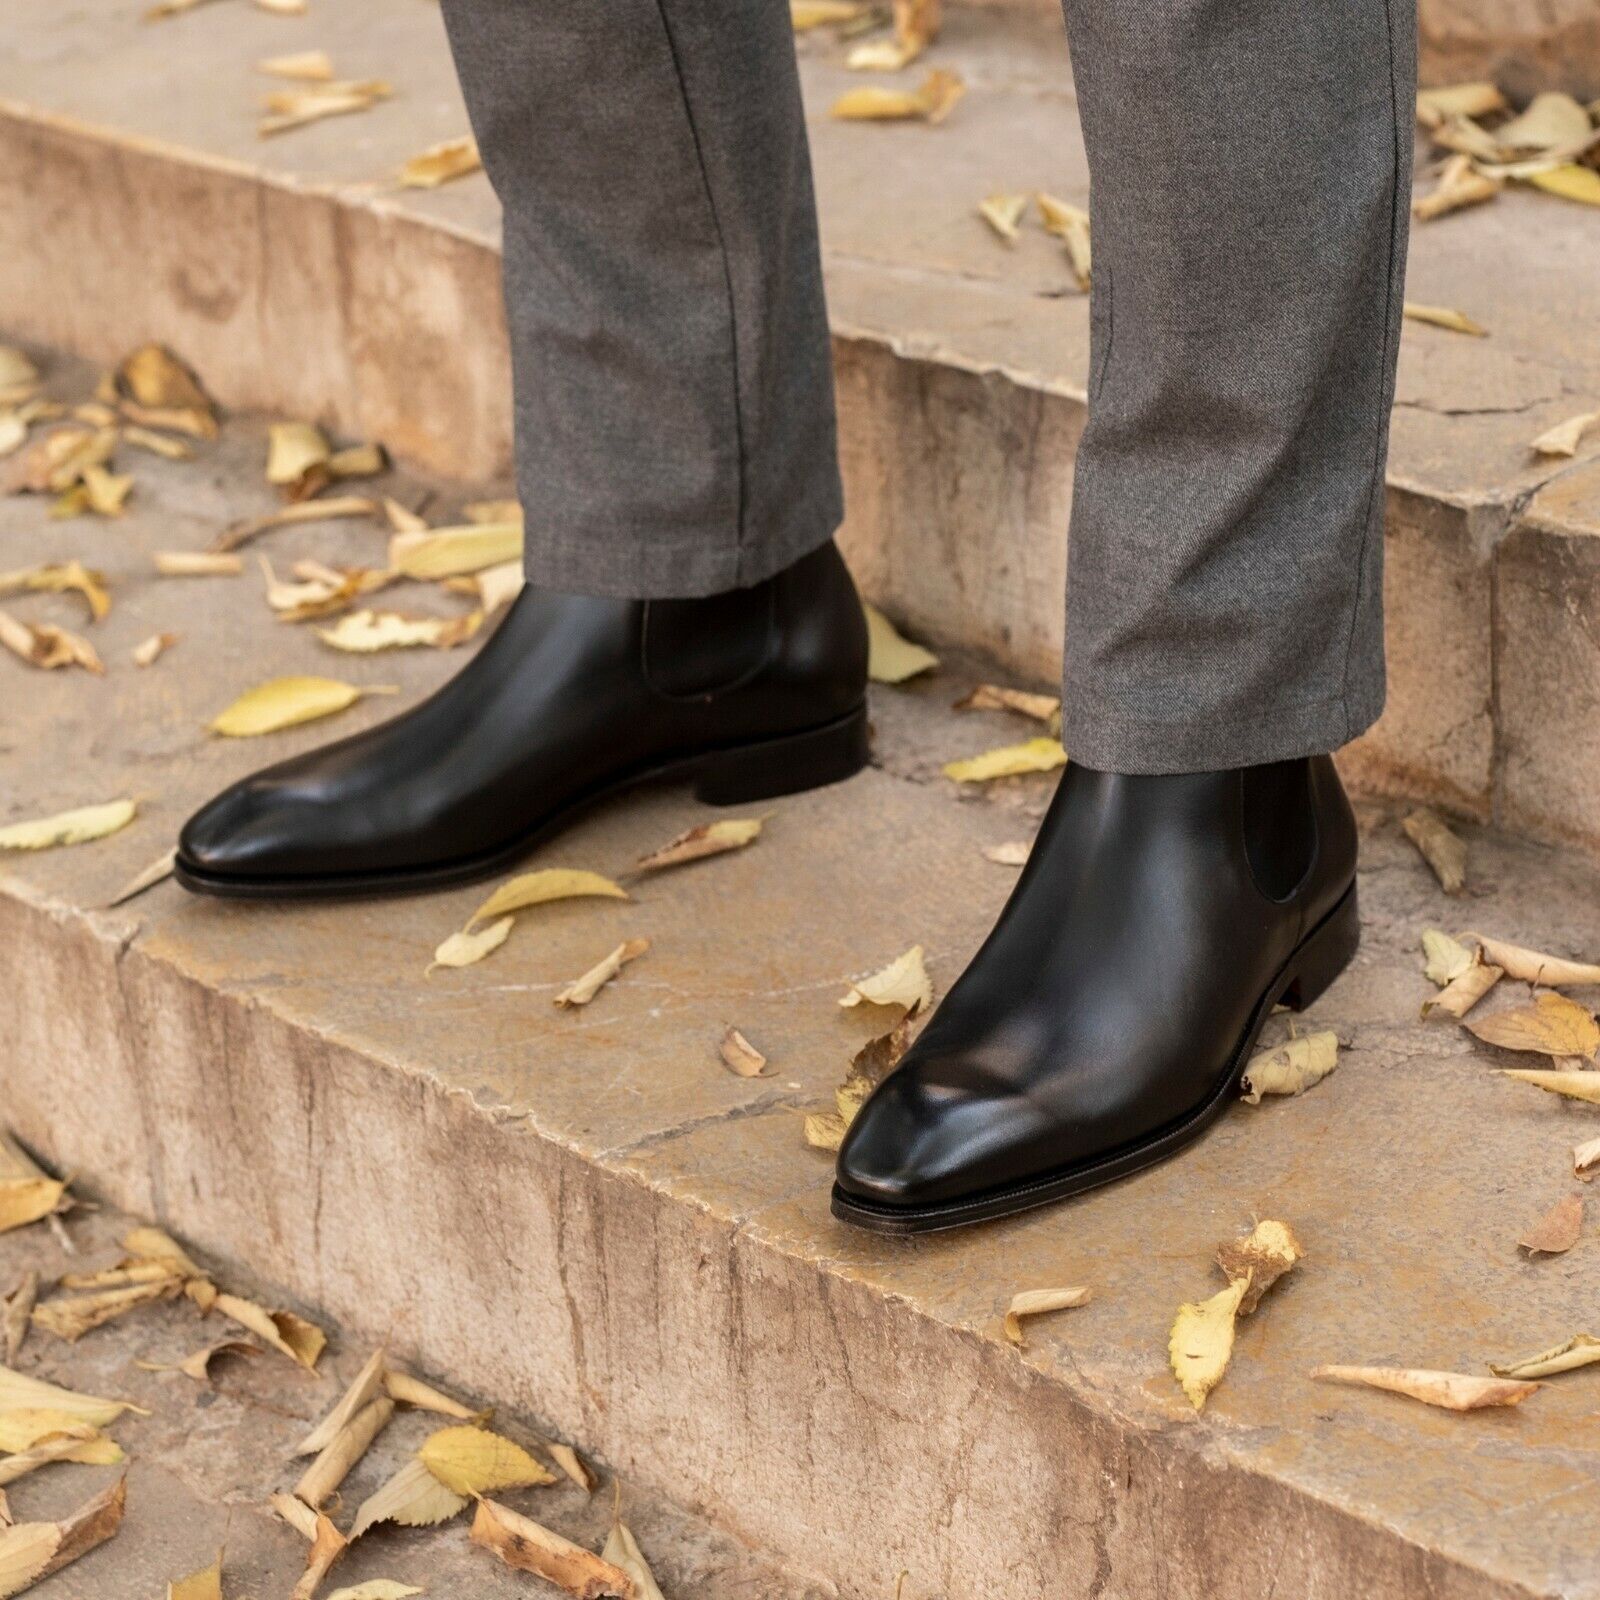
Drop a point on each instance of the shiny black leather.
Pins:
(1107, 1016)
(755, 693)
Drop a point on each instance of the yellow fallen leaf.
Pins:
(286, 702)
(335, 1461)
(1586, 1159)
(17, 370)
(363, 1389)
(466, 949)
(203, 1585)
(67, 1445)
(30, 1551)
(1552, 122)
(1445, 959)
(825, 1130)
(1033, 755)
(994, 697)
(22, 1430)
(539, 888)
(158, 444)
(357, 461)
(197, 1366)
(1070, 224)
(1291, 1067)
(904, 982)
(197, 564)
(1579, 1084)
(1533, 966)
(622, 1550)
(1259, 1259)
(413, 1497)
(1013, 853)
(573, 1465)
(1458, 100)
(1035, 1302)
(741, 1057)
(1461, 994)
(808, 14)
(449, 552)
(329, 508)
(58, 578)
(363, 632)
(473, 1461)
(1563, 439)
(1557, 1230)
(1452, 1391)
(1460, 184)
(293, 450)
(19, 1392)
(294, 108)
(454, 158)
(1569, 182)
(892, 658)
(582, 990)
(1581, 1350)
(1004, 213)
(80, 826)
(525, 1546)
(1439, 847)
(48, 647)
(496, 586)
(149, 651)
(157, 390)
(69, 1317)
(287, 1333)
(1552, 1025)
(376, 1589)
(15, 1310)
(709, 839)
(304, 66)
(25, 1200)
(931, 102)
(884, 55)
(1444, 317)
(409, 1390)
(1201, 1341)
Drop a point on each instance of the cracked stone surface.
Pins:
(587, 1219)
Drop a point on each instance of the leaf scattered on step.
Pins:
(1460, 184)
(159, 444)
(327, 1545)
(1444, 317)
(197, 1366)
(1004, 213)
(1259, 1259)
(473, 1461)
(1070, 224)
(932, 101)
(363, 1389)
(525, 1546)
(330, 508)
(709, 839)
(338, 1458)
(741, 1057)
(303, 66)
(28, 1430)
(1551, 122)
(81, 826)
(286, 702)
(450, 552)
(1013, 853)
(158, 871)
(825, 1130)
(574, 1466)
(1036, 1302)
(1581, 1350)
(148, 651)
(622, 1550)
(1452, 1391)
(438, 164)
(494, 586)
(1576, 1084)
(364, 632)
(1044, 708)
(1586, 1159)
(46, 646)
(904, 982)
(1533, 966)
(15, 1311)
(1033, 755)
(287, 1333)
(1563, 439)
(467, 948)
(1291, 1067)
(295, 450)
(156, 390)
(203, 1585)
(1445, 959)
(18, 374)
(582, 990)
(413, 1497)
(808, 14)
(19, 1392)
(1552, 1025)
(891, 657)
(1557, 1230)
(76, 1442)
(376, 1589)
(1439, 847)
(540, 888)
(1480, 99)
(409, 1390)
(58, 578)
(1201, 1342)
(69, 1317)
(294, 108)
(197, 564)
(1569, 182)
(30, 1551)
(1461, 994)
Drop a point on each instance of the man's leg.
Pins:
(1251, 168)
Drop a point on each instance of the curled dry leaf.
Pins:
(1552, 121)
(364, 1388)
(1461, 994)
(1452, 1391)
(1070, 224)
(1044, 708)
(1552, 1025)
(741, 1057)
(1033, 755)
(527, 1547)
(286, 702)
(622, 1550)
(467, 948)
(582, 990)
(14, 1313)
(158, 871)
(203, 1585)
(197, 1366)
(1586, 1159)
(409, 1390)
(68, 1444)
(333, 508)
(304, 66)
(1563, 439)
(327, 1545)
(473, 1461)
(294, 450)
(454, 158)
(1259, 1259)
(376, 1589)
(1557, 1230)
(157, 390)
(450, 552)
(287, 1333)
(1291, 1067)
(28, 1430)
(1004, 213)
(1460, 184)
(1201, 1342)
(58, 578)
(364, 632)
(805, 15)
(336, 1459)
(81, 826)
(44, 645)
(1532, 966)
(904, 982)
(158, 444)
(1013, 853)
(28, 1199)
(891, 657)
(709, 839)
(498, 585)
(413, 1497)
(1439, 847)
(1444, 959)
(21, 1393)
(1444, 317)
(932, 101)
(1036, 1302)
(148, 651)
(1575, 1084)
(574, 1466)
(539, 888)
(1581, 1350)
(30, 1551)
(69, 1317)
(1480, 99)
(197, 564)
(294, 108)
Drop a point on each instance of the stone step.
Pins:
(298, 278)
(584, 1217)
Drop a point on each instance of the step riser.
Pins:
(826, 1423)
(959, 484)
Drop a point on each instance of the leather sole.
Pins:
(736, 775)
(1320, 957)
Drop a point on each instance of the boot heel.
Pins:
(785, 766)
(1325, 954)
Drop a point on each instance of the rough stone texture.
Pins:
(587, 1219)
(203, 1463)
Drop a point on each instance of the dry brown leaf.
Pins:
(892, 658)
(469, 947)
(709, 839)
(1461, 994)
(525, 1546)
(294, 108)
(293, 1336)
(363, 632)
(454, 158)
(203, 1585)
(286, 702)
(1460, 184)
(1004, 213)
(741, 1057)
(1444, 317)
(157, 390)
(1291, 1067)
(622, 1550)
(198, 1365)
(413, 1497)
(825, 1130)
(1201, 1341)
(1581, 1350)
(57, 460)
(408, 1390)
(574, 1466)
(149, 651)
(1434, 106)
(904, 982)
(46, 646)
(1044, 708)
(1439, 847)
(1452, 1391)
(539, 888)
(1574, 1084)
(327, 1545)
(1070, 224)
(15, 1312)
(472, 1461)
(197, 564)
(69, 1317)
(1259, 1259)
(331, 509)
(1552, 1025)
(303, 66)
(58, 578)
(932, 101)
(80, 826)
(1035, 1302)
(1533, 966)
(363, 1389)
(1586, 1159)
(582, 990)
(1033, 755)
(30, 1551)
(1557, 1230)
(337, 1458)
(452, 552)
(808, 14)
(1563, 439)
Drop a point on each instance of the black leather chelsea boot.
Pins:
(749, 694)
(1108, 1018)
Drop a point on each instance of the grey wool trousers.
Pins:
(1250, 169)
